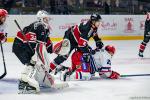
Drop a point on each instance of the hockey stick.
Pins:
(133, 75)
(123, 76)
(5, 72)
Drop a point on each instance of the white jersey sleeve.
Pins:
(2, 28)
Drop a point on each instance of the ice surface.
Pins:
(125, 61)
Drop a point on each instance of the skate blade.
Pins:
(27, 92)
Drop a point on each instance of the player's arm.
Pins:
(83, 40)
(3, 34)
(83, 43)
(99, 43)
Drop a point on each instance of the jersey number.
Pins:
(108, 62)
(31, 36)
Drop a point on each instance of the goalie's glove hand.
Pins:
(99, 44)
(86, 57)
(114, 75)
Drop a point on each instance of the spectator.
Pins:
(107, 8)
(7, 4)
(52, 6)
(66, 10)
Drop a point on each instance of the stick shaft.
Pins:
(5, 71)
(135, 75)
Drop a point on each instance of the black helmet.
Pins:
(95, 17)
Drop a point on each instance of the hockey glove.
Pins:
(3, 37)
(86, 57)
(114, 75)
(99, 44)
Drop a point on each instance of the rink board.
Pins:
(114, 27)
(11, 39)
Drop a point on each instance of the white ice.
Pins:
(125, 61)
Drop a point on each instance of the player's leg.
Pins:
(144, 43)
(63, 53)
(44, 78)
(79, 70)
(146, 38)
(42, 66)
(76, 63)
(27, 83)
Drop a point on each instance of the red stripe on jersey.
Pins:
(49, 43)
(76, 75)
(52, 66)
(41, 53)
(82, 42)
(57, 47)
(76, 33)
(30, 37)
(142, 47)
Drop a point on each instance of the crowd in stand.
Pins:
(74, 6)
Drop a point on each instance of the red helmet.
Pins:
(110, 48)
(3, 12)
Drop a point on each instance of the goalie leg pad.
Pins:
(62, 48)
(42, 54)
(28, 76)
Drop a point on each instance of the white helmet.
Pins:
(41, 14)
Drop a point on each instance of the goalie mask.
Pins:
(43, 16)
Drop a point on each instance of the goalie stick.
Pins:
(5, 72)
(57, 86)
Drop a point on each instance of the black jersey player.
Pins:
(24, 48)
(146, 35)
(77, 37)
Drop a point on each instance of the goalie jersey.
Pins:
(25, 43)
(34, 33)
